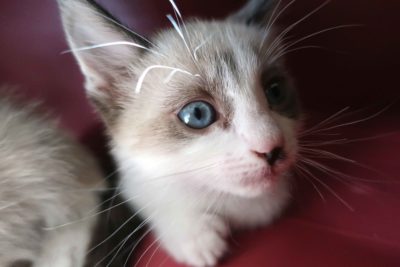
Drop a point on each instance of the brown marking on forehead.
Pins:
(228, 57)
(225, 62)
(179, 97)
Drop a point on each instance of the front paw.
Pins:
(202, 246)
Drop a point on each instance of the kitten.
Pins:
(202, 120)
(48, 189)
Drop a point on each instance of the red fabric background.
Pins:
(358, 67)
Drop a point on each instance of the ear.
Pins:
(93, 35)
(255, 12)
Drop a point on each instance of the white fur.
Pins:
(192, 186)
(66, 246)
(192, 212)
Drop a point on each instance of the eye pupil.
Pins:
(275, 93)
(197, 115)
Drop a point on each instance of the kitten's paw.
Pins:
(204, 250)
(203, 246)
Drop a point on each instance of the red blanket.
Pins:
(349, 218)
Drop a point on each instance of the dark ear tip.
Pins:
(255, 12)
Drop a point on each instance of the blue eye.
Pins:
(197, 115)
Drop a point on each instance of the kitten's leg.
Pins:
(18, 258)
(194, 239)
(66, 246)
(21, 236)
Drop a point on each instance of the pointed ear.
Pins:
(255, 12)
(93, 36)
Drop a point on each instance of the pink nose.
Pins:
(271, 150)
(273, 156)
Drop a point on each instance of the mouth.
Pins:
(261, 178)
(266, 176)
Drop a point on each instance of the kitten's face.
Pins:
(226, 120)
(230, 125)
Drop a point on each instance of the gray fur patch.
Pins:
(41, 171)
(228, 57)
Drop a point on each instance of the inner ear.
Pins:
(98, 40)
(105, 50)
(255, 12)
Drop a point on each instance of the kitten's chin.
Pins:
(257, 186)
(253, 190)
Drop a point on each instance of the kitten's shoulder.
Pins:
(32, 138)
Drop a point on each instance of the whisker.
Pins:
(86, 217)
(336, 174)
(323, 143)
(50, 190)
(329, 189)
(180, 20)
(153, 254)
(155, 241)
(137, 243)
(284, 53)
(326, 154)
(111, 251)
(120, 227)
(114, 196)
(117, 205)
(114, 21)
(275, 43)
(146, 71)
(308, 144)
(122, 243)
(325, 121)
(357, 121)
(369, 138)
(136, 229)
(300, 169)
(201, 45)
(331, 155)
(172, 224)
(95, 209)
(11, 204)
(284, 48)
(271, 21)
(180, 33)
(175, 7)
(332, 173)
(154, 179)
(190, 171)
(90, 47)
(212, 203)
(336, 117)
(44, 197)
(272, 17)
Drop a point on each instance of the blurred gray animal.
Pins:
(48, 186)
